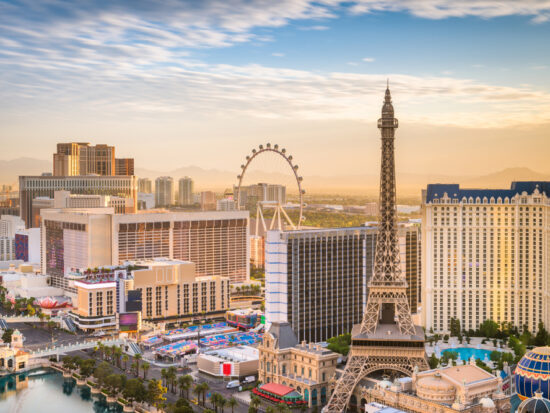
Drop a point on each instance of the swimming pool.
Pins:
(466, 353)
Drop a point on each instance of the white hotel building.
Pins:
(485, 255)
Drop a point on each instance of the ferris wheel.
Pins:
(279, 214)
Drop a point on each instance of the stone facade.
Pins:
(305, 367)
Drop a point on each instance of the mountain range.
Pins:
(367, 184)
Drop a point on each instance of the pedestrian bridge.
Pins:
(67, 348)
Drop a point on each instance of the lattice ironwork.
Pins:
(358, 367)
(387, 287)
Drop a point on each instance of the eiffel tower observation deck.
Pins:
(387, 341)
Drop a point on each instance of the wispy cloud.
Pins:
(316, 27)
(538, 10)
(278, 54)
(368, 59)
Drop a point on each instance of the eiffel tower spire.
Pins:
(387, 339)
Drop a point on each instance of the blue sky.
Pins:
(188, 74)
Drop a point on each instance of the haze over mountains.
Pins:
(366, 184)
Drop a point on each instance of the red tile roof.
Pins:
(277, 389)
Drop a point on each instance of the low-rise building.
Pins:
(307, 368)
(464, 388)
(239, 361)
(159, 289)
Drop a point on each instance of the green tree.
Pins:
(433, 361)
(232, 403)
(6, 337)
(541, 338)
(455, 327)
(137, 358)
(340, 344)
(155, 393)
(488, 328)
(134, 390)
(184, 384)
(102, 371)
(145, 367)
(125, 359)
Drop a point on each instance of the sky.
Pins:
(179, 83)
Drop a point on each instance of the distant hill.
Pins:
(408, 184)
(12, 169)
(502, 179)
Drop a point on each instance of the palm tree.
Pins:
(118, 355)
(172, 375)
(214, 399)
(184, 383)
(270, 409)
(205, 388)
(134, 366)
(232, 402)
(137, 358)
(255, 401)
(282, 408)
(222, 402)
(145, 366)
(125, 359)
(198, 391)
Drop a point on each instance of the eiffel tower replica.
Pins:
(387, 339)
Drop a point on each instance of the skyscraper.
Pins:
(145, 186)
(81, 158)
(316, 279)
(484, 255)
(124, 166)
(185, 191)
(164, 191)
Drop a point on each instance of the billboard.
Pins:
(128, 322)
(226, 369)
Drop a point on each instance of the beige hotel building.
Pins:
(169, 290)
(217, 242)
(485, 255)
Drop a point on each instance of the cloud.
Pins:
(277, 54)
(368, 59)
(538, 10)
(316, 27)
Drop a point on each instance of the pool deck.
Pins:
(475, 343)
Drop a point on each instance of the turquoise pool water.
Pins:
(46, 391)
(466, 353)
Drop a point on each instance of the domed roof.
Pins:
(536, 404)
(487, 403)
(435, 383)
(533, 373)
(384, 384)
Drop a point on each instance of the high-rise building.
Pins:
(208, 201)
(80, 158)
(27, 245)
(409, 247)
(32, 187)
(64, 199)
(316, 279)
(124, 166)
(145, 186)
(185, 191)
(257, 251)
(7, 249)
(319, 256)
(164, 191)
(225, 204)
(9, 224)
(251, 194)
(217, 242)
(484, 255)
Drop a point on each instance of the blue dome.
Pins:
(533, 373)
(537, 404)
